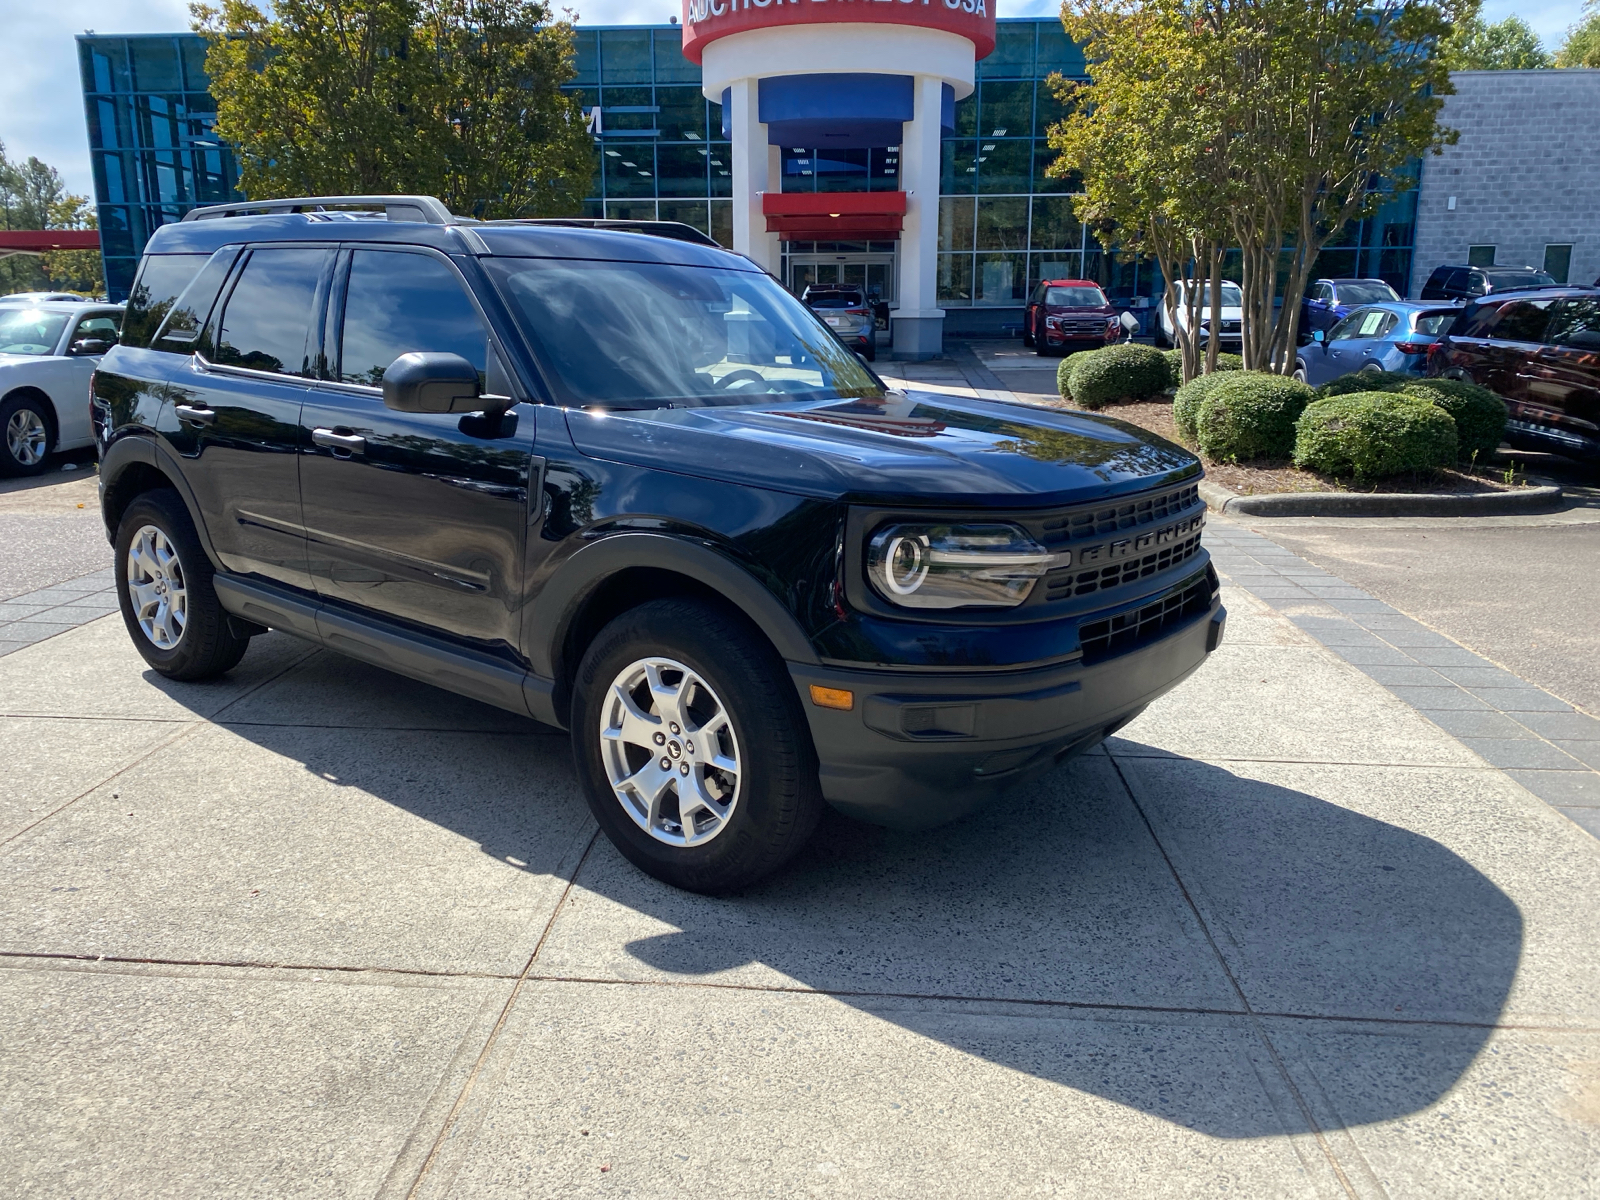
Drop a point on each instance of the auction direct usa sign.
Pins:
(704, 21)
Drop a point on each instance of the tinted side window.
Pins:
(397, 303)
(1476, 321)
(1386, 325)
(267, 318)
(182, 328)
(1576, 323)
(1460, 280)
(1350, 327)
(162, 278)
(1522, 321)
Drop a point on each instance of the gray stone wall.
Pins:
(1526, 173)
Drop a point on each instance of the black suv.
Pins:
(1464, 283)
(628, 485)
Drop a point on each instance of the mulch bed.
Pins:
(1266, 476)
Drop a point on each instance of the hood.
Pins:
(11, 360)
(905, 449)
(1108, 310)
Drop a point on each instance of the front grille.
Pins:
(1065, 582)
(1126, 631)
(1093, 327)
(1099, 520)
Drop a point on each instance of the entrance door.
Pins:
(874, 273)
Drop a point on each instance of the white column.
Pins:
(919, 322)
(756, 166)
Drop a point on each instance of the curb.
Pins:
(1377, 504)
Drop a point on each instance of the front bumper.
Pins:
(920, 749)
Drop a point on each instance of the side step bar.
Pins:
(431, 660)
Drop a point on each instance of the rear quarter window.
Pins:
(162, 279)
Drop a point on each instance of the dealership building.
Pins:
(895, 144)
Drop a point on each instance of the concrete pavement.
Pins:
(318, 929)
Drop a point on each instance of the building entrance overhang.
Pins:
(834, 216)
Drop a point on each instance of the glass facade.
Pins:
(659, 154)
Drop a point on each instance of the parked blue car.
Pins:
(1379, 337)
(1329, 301)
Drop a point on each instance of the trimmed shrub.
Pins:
(1364, 381)
(1186, 404)
(1373, 434)
(1174, 359)
(1479, 414)
(1124, 371)
(1064, 375)
(1250, 415)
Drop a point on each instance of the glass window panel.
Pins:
(1055, 265)
(1001, 279)
(955, 223)
(1558, 262)
(213, 176)
(161, 283)
(115, 178)
(722, 222)
(841, 170)
(671, 65)
(614, 100)
(625, 56)
(690, 212)
(119, 277)
(714, 121)
(155, 65)
(720, 162)
(1013, 51)
(402, 304)
(166, 174)
(955, 279)
(105, 127)
(799, 169)
(268, 315)
(1003, 223)
(1007, 109)
(884, 169)
(967, 116)
(1058, 52)
(121, 231)
(193, 51)
(586, 57)
(630, 169)
(681, 169)
(104, 66)
(1055, 225)
(593, 208)
(200, 102)
(1043, 156)
(159, 121)
(1047, 109)
(1005, 165)
(683, 113)
(1480, 256)
(958, 167)
(1335, 264)
(631, 210)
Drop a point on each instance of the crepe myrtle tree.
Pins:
(1279, 121)
(460, 99)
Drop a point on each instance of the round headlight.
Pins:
(957, 566)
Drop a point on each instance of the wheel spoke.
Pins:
(665, 697)
(635, 727)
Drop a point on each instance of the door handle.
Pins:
(350, 443)
(193, 415)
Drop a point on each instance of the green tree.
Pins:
(1582, 46)
(1509, 45)
(460, 99)
(32, 196)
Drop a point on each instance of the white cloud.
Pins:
(41, 107)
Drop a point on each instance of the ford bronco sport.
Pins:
(628, 485)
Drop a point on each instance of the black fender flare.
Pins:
(131, 449)
(553, 610)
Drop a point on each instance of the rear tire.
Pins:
(683, 671)
(25, 441)
(165, 592)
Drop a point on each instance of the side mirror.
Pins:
(89, 346)
(431, 382)
(1317, 335)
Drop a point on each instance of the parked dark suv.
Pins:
(630, 486)
(1540, 352)
(1464, 283)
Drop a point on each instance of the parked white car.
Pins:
(1230, 337)
(48, 350)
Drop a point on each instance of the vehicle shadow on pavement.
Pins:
(1069, 931)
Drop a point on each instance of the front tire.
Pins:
(693, 751)
(25, 441)
(165, 592)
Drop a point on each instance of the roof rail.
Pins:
(426, 209)
(676, 230)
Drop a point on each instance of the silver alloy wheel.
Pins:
(156, 587)
(670, 752)
(26, 437)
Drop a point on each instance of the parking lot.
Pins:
(316, 929)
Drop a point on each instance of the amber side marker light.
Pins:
(832, 698)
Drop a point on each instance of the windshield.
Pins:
(1366, 291)
(30, 331)
(651, 335)
(1436, 321)
(835, 300)
(1075, 297)
(1232, 297)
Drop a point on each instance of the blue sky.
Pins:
(41, 112)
